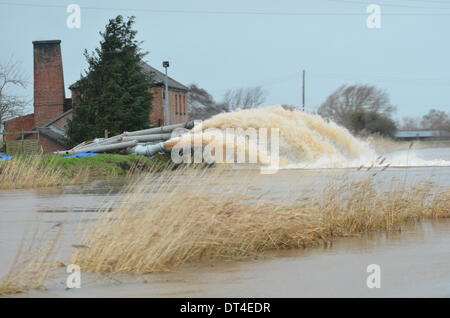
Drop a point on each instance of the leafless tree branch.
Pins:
(436, 119)
(11, 105)
(244, 98)
(202, 105)
(350, 99)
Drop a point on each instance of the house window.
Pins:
(184, 104)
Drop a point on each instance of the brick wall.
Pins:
(49, 92)
(47, 144)
(156, 116)
(178, 107)
(17, 124)
(177, 104)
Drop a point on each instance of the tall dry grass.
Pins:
(166, 220)
(34, 263)
(34, 172)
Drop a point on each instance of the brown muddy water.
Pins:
(414, 262)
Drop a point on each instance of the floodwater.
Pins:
(413, 263)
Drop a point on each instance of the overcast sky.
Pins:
(239, 43)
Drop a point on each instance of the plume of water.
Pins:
(305, 140)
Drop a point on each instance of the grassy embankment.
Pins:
(51, 170)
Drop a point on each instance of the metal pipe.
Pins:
(147, 138)
(102, 148)
(96, 142)
(159, 130)
(158, 134)
(111, 140)
(148, 150)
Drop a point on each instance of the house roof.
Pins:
(50, 131)
(58, 117)
(158, 78)
(15, 118)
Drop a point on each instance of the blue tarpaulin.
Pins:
(83, 155)
(4, 157)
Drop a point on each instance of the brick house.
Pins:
(52, 110)
(178, 98)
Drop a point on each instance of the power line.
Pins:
(392, 5)
(367, 78)
(428, 1)
(375, 77)
(216, 12)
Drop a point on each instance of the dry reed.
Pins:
(33, 264)
(169, 219)
(34, 172)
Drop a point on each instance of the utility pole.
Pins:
(166, 65)
(303, 92)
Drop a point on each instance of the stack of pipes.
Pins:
(145, 142)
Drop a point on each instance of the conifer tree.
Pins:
(114, 93)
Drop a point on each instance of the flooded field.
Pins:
(414, 261)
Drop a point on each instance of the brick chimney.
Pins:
(49, 94)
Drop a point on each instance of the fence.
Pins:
(21, 145)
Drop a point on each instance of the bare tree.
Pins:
(11, 105)
(245, 98)
(409, 123)
(290, 107)
(346, 100)
(436, 119)
(202, 105)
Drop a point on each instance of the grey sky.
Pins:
(232, 44)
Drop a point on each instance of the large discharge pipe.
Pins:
(130, 142)
(101, 148)
(160, 130)
(150, 150)
(147, 138)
